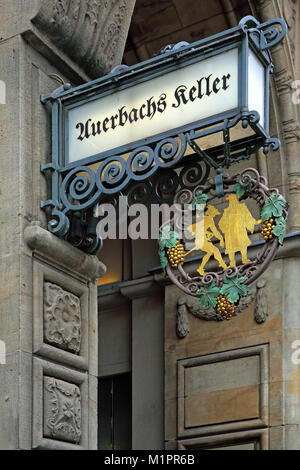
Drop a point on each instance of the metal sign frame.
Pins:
(76, 187)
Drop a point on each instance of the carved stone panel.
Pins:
(63, 407)
(289, 13)
(91, 32)
(62, 410)
(62, 318)
(63, 325)
(214, 399)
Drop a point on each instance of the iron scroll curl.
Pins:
(268, 34)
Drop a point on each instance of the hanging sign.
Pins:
(176, 99)
(122, 128)
(224, 236)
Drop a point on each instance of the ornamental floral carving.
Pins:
(91, 32)
(186, 304)
(60, 11)
(289, 12)
(92, 11)
(62, 318)
(62, 410)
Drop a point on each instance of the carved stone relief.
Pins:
(91, 32)
(289, 12)
(188, 304)
(62, 318)
(62, 410)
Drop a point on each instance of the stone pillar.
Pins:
(147, 362)
(48, 294)
(291, 348)
(287, 111)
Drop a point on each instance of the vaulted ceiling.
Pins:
(157, 23)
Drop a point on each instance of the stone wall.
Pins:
(48, 293)
(225, 383)
(231, 383)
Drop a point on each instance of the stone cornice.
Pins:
(109, 296)
(139, 288)
(57, 251)
(113, 295)
(92, 33)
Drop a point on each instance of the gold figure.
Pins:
(202, 239)
(234, 223)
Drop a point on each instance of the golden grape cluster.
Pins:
(267, 228)
(176, 255)
(224, 307)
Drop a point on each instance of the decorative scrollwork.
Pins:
(82, 188)
(59, 224)
(271, 36)
(166, 186)
(194, 174)
(79, 187)
(162, 187)
(268, 34)
(186, 304)
(273, 143)
(252, 117)
(140, 193)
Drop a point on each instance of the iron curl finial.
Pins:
(270, 33)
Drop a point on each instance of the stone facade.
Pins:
(48, 294)
(196, 383)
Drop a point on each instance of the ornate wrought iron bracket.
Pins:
(153, 168)
(266, 34)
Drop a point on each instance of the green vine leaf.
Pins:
(200, 199)
(208, 295)
(241, 190)
(234, 288)
(167, 238)
(163, 259)
(273, 207)
(280, 229)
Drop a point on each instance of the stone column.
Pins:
(287, 112)
(147, 362)
(48, 294)
(286, 61)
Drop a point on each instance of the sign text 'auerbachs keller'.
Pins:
(158, 105)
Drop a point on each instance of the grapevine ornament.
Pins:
(176, 255)
(223, 288)
(225, 308)
(267, 228)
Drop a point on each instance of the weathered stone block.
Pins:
(62, 410)
(217, 391)
(62, 318)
